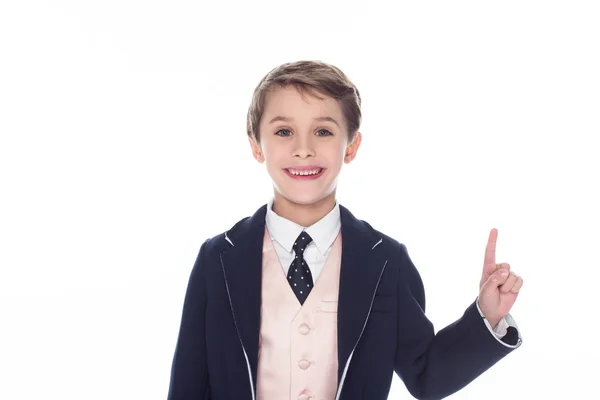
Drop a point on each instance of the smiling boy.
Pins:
(303, 300)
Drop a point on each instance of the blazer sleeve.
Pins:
(434, 366)
(189, 371)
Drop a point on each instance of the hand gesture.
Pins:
(499, 287)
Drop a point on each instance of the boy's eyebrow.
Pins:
(288, 119)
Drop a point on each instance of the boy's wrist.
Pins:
(493, 322)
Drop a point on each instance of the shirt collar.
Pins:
(285, 232)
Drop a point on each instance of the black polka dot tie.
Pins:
(299, 275)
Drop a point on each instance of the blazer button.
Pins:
(304, 329)
(304, 364)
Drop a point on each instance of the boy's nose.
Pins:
(304, 152)
(304, 148)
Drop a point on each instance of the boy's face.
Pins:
(304, 142)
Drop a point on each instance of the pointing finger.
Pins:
(489, 262)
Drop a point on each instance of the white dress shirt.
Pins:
(284, 233)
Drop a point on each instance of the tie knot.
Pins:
(301, 242)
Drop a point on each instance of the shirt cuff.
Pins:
(500, 331)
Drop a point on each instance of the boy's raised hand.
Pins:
(499, 287)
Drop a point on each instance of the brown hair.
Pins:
(308, 76)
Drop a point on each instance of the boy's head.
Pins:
(304, 122)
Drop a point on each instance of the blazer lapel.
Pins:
(362, 265)
(242, 266)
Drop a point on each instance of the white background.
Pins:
(123, 148)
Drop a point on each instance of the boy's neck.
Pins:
(303, 214)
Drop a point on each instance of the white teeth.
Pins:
(312, 172)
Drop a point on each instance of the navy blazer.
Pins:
(382, 325)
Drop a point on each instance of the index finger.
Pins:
(490, 250)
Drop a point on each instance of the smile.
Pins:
(304, 174)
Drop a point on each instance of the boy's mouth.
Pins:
(312, 173)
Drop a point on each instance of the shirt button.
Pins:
(304, 329)
(304, 364)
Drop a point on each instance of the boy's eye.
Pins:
(327, 133)
(287, 132)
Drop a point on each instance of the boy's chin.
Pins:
(305, 199)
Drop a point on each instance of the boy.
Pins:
(304, 301)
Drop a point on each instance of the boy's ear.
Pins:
(256, 151)
(352, 148)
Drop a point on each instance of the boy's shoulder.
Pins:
(393, 247)
(247, 227)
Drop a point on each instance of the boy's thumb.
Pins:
(496, 279)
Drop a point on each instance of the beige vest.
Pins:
(298, 343)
